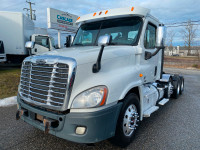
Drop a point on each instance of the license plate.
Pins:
(39, 117)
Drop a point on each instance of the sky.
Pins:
(167, 11)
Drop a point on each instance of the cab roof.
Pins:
(114, 13)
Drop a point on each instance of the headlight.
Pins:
(93, 97)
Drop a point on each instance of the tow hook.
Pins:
(47, 125)
(19, 113)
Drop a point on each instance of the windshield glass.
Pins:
(124, 31)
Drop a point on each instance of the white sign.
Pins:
(60, 20)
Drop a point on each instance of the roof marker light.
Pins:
(132, 8)
(94, 14)
(78, 18)
(100, 13)
(106, 12)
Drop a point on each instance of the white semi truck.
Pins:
(104, 84)
(15, 30)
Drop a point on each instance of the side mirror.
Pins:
(104, 40)
(72, 39)
(161, 35)
(160, 41)
(69, 40)
(30, 44)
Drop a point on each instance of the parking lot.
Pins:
(174, 126)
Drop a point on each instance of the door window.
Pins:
(42, 40)
(150, 37)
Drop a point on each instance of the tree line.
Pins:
(188, 35)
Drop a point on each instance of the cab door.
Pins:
(42, 45)
(151, 65)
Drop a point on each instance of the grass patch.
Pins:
(195, 65)
(9, 81)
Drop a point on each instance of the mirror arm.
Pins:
(148, 55)
(97, 65)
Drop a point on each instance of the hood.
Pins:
(88, 54)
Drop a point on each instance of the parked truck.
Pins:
(2, 52)
(15, 30)
(104, 84)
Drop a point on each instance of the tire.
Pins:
(126, 128)
(182, 86)
(177, 87)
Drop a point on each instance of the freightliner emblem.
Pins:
(40, 61)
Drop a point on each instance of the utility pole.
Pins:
(30, 10)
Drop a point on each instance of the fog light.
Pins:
(80, 130)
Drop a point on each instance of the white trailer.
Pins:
(15, 30)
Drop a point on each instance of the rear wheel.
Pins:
(127, 121)
(182, 85)
(177, 88)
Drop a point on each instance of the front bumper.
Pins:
(100, 125)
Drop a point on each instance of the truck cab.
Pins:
(42, 43)
(104, 84)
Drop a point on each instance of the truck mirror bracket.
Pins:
(149, 55)
(97, 65)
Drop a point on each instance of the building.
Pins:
(181, 51)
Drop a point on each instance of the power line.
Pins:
(182, 22)
(33, 17)
(180, 25)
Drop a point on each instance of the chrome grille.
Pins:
(44, 83)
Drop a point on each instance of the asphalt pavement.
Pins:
(174, 126)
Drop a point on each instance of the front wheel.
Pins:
(127, 122)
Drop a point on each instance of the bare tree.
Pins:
(189, 35)
(170, 37)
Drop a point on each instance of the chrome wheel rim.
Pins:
(170, 89)
(130, 120)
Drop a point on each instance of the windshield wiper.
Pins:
(113, 43)
(78, 44)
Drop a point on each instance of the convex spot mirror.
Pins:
(104, 40)
(30, 44)
(161, 36)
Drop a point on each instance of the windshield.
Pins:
(124, 31)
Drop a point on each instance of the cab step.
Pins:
(148, 112)
(163, 101)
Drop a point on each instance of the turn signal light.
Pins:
(106, 12)
(104, 97)
(132, 8)
(78, 18)
(94, 14)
